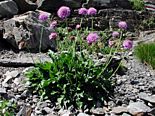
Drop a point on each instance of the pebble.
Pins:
(138, 107)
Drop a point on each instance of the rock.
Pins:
(24, 60)
(53, 5)
(9, 76)
(98, 111)
(119, 110)
(153, 112)
(125, 114)
(47, 110)
(100, 4)
(25, 5)
(147, 98)
(25, 111)
(2, 91)
(8, 8)
(138, 107)
(21, 32)
(82, 114)
(64, 112)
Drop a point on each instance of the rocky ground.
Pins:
(134, 93)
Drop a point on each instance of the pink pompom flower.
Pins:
(82, 11)
(122, 25)
(92, 38)
(63, 12)
(53, 35)
(92, 11)
(115, 34)
(111, 43)
(127, 44)
(43, 16)
(53, 24)
(78, 26)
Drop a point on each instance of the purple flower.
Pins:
(92, 38)
(127, 44)
(115, 34)
(43, 16)
(53, 35)
(63, 12)
(122, 25)
(53, 24)
(92, 11)
(111, 43)
(82, 11)
(78, 26)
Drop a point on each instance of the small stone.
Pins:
(2, 91)
(147, 98)
(82, 114)
(119, 110)
(138, 107)
(9, 76)
(98, 111)
(47, 110)
(125, 114)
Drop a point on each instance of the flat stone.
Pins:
(98, 111)
(147, 98)
(8, 8)
(24, 60)
(119, 110)
(138, 107)
(20, 32)
(47, 110)
(82, 114)
(125, 114)
(2, 91)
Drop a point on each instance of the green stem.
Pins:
(92, 23)
(42, 29)
(111, 56)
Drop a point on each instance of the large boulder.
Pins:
(53, 5)
(100, 4)
(8, 8)
(26, 5)
(25, 32)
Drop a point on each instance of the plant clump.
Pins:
(145, 53)
(76, 76)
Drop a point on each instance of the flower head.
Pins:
(63, 12)
(92, 38)
(122, 25)
(127, 44)
(53, 35)
(43, 16)
(111, 43)
(92, 11)
(115, 34)
(82, 11)
(53, 24)
(78, 26)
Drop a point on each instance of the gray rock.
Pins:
(98, 111)
(138, 107)
(25, 5)
(8, 8)
(147, 98)
(9, 76)
(52, 5)
(119, 110)
(100, 4)
(2, 91)
(125, 114)
(21, 32)
(47, 110)
(82, 114)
